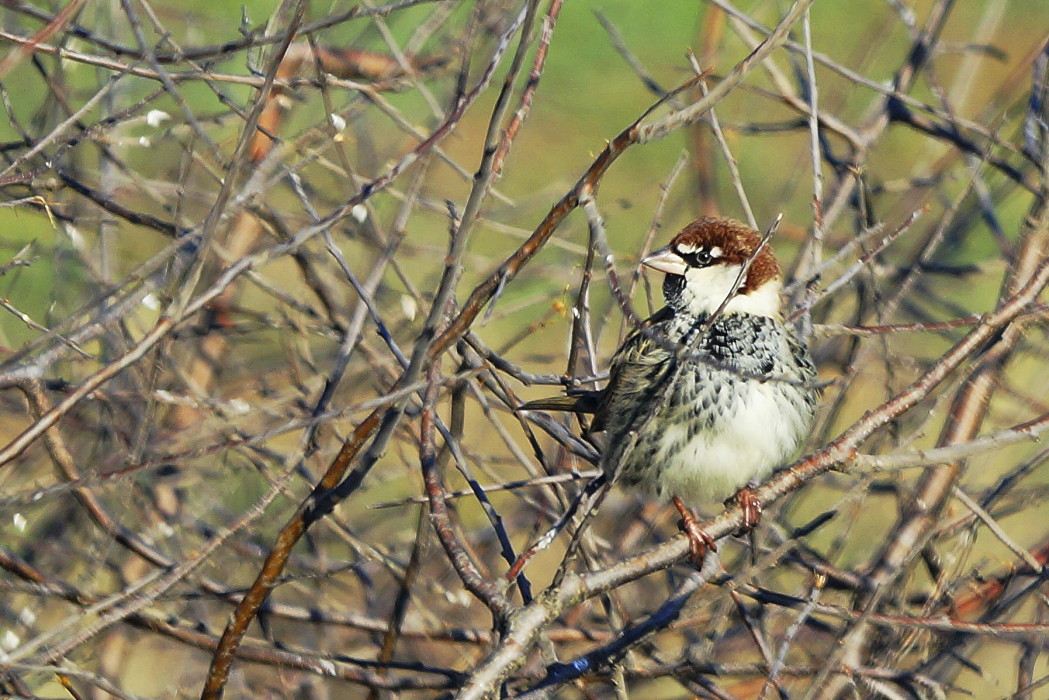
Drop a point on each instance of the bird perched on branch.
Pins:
(713, 392)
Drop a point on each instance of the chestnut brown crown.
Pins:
(721, 241)
(703, 263)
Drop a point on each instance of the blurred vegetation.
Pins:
(180, 446)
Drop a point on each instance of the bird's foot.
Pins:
(699, 542)
(748, 502)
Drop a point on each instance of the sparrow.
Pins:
(714, 391)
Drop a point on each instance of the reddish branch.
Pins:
(338, 61)
(55, 25)
(527, 624)
(335, 484)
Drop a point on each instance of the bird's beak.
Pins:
(666, 260)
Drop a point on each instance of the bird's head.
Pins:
(703, 262)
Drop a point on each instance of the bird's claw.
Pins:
(748, 502)
(699, 542)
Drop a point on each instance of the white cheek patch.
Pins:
(706, 288)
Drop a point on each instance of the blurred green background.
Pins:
(588, 93)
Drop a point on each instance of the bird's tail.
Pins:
(579, 401)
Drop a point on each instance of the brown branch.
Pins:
(527, 623)
(335, 484)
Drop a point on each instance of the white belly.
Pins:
(747, 444)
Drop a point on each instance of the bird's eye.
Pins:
(694, 256)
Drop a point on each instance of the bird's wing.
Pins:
(634, 370)
(629, 376)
